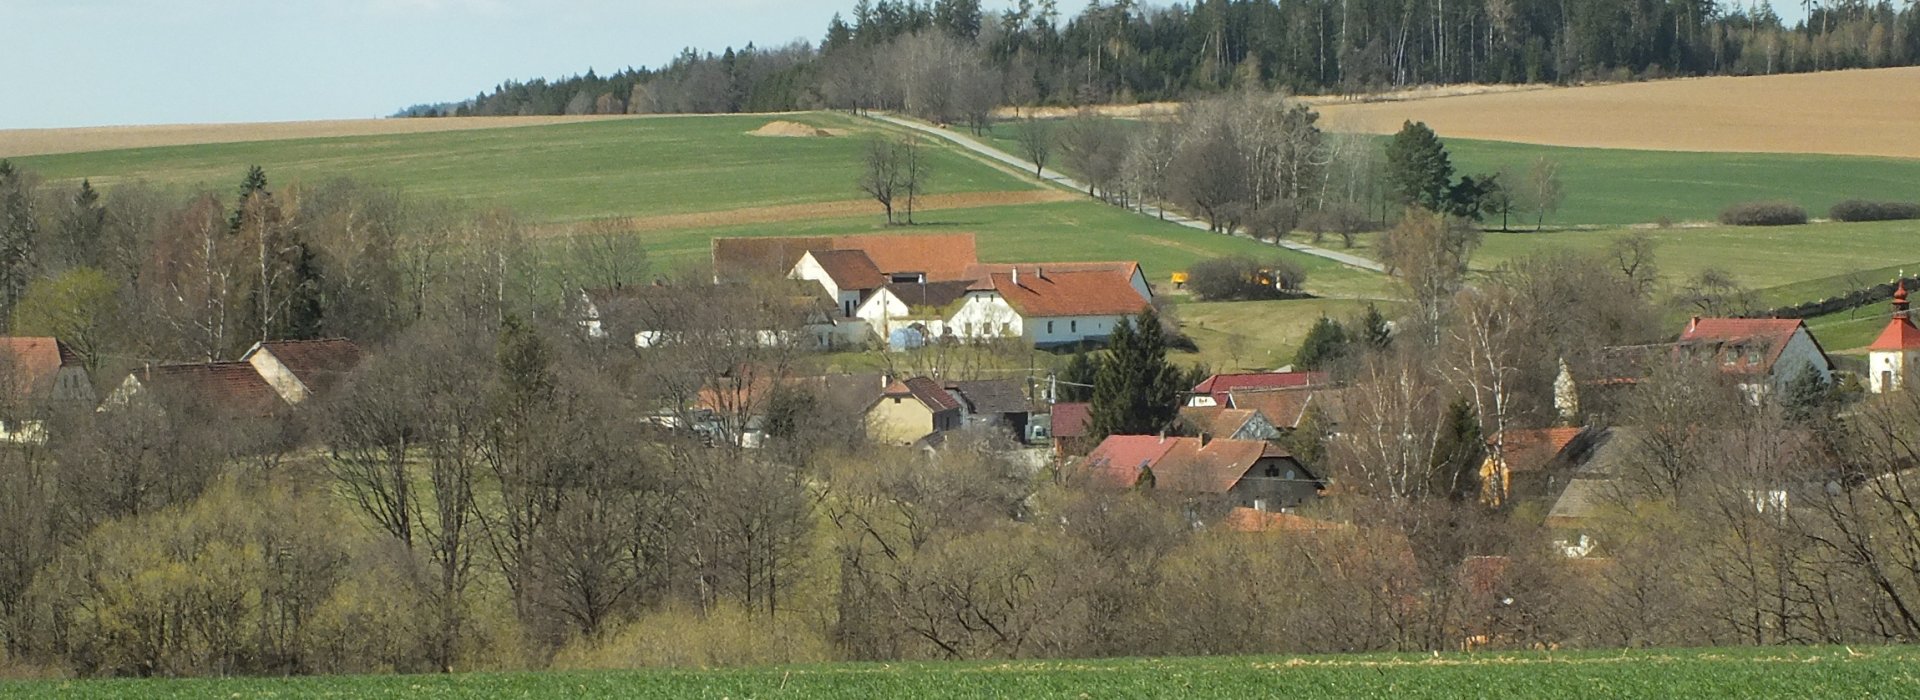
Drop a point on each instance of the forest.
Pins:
(1125, 51)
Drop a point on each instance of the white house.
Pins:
(1047, 307)
(1897, 351)
(1767, 354)
(847, 275)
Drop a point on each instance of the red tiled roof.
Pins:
(1125, 269)
(316, 363)
(1533, 450)
(1178, 463)
(231, 387)
(33, 362)
(927, 391)
(1250, 520)
(1072, 420)
(1900, 334)
(1282, 407)
(850, 269)
(1070, 294)
(1728, 336)
(1118, 459)
(1220, 385)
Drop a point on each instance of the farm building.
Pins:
(40, 375)
(1766, 354)
(1248, 473)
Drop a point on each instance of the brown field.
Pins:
(33, 142)
(819, 210)
(1861, 112)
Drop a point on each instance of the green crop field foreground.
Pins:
(1763, 672)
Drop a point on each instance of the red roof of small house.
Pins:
(1219, 385)
(1118, 459)
(1072, 420)
(849, 269)
(1125, 269)
(1533, 450)
(1731, 338)
(228, 387)
(1185, 464)
(1250, 520)
(33, 362)
(1900, 334)
(1069, 294)
(925, 390)
(319, 364)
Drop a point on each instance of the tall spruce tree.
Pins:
(1419, 168)
(1327, 341)
(1458, 453)
(1136, 391)
(17, 234)
(82, 228)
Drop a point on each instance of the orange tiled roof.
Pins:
(941, 257)
(1900, 334)
(33, 362)
(1533, 450)
(1070, 294)
(1217, 421)
(1282, 407)
(1178, 463)
(230, 387)
(1071, 420)
(1729, 336)
(316, 363)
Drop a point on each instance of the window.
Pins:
(1073, 326)
(1006, 328)
(1049, 327)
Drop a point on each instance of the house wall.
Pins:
(986, 315)
(1887, 370)
(1140, 285)
(900, 420)
(1801, 351)
(1268, 487)
(846, 301)
(1258, 428)
(1066, 330)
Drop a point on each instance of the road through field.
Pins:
(1149, 211)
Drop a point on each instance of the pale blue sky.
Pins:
(102, 62)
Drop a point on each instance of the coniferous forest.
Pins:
(1125, 51)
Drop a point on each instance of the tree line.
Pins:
(929, 58)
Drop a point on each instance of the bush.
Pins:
(1242, 278)
(1861, 210)
(1764, 214)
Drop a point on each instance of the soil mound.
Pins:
(789, 129)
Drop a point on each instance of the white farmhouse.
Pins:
(1047, 307)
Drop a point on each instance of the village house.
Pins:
(1070, 425)
(1228, 423)
(219, 390)
(999, 405)
(41, 376)
(736, 410)
(299, 370)
(910, 410)
(1247, 473)
(1896, 352)
(794, 315)
(1523, 465)
(1217, 390)
(1766, 355)
(912, 290)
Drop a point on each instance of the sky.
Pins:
(111, 62)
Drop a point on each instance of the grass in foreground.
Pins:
(1767, 672)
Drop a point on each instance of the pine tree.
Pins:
(1458, 453)
(1136, 391)
(1419, 168)
(255, 183)
(1327, 341)
(17, 234)
(1374, 330)
(1076, 381)
(82, 228)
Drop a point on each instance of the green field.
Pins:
(1257, 335)
(1618, 187)
(1766, 672)
(623, 167)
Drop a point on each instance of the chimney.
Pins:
(1041, 273)
(1016, 275)
(1693, 324)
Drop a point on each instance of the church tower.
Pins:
(1897, 351)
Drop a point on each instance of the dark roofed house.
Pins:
(1248, 473)
(1070, 424)
(302, 369)
(217, 389)
(910, 410)
(998, 403)
(1535, 463)
(1229, 423)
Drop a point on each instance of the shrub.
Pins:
(1862, 210)
(1764, 214)
(1239, 278)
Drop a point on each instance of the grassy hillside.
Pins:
(1739, 672)
(628, 167)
